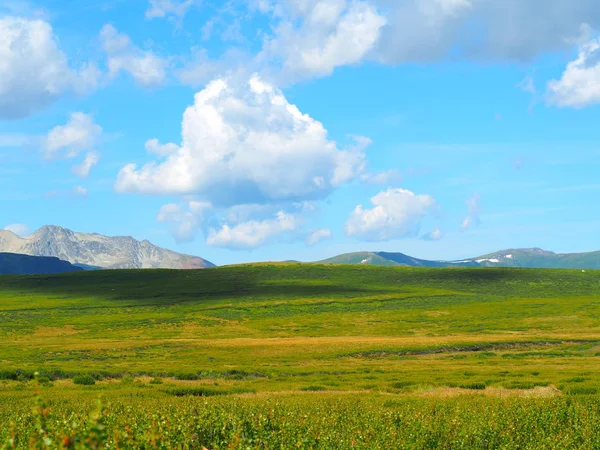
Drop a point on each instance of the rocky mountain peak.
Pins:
(98, 250)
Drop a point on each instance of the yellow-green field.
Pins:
(276, 356)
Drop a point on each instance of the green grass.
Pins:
(315, 340)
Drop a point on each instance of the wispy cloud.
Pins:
(576, 188)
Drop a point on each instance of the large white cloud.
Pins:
(579, 85)
(313, 37)
(34, 72)
(244, 143)
(316, 36)
(147, 68)
(396, 213)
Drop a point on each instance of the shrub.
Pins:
(186, 376)
(473, 386)
(16, 375)
(582, 390)
(576, 380)
(127, 379)
(85, 380)
(526, 384)
(43, 380)
(195, 392)
(313, 388)
(205, 392)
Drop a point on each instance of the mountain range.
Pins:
(90, 251)
(11, 263)
(524, 257)
(95, 251)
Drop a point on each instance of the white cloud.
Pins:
(165, 8)
(67, 141)
(311, 38)
(19, 229)
(23, 8)
(34, 72)
(83, 170)
(579, 85)
(528, 85)
(316, 236)
(240, 227)
(255, 233)
(474, 212)
(144, 66)
(420, 30)
(80, 191)
(184, 223)
(397, 213)
(15, 140)
(244, 143)
(392, 176)
(435, 235)
(153, 146)
(513, 30)
(199, 68)
(316, 36)
(244, 213)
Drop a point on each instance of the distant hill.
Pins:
(525, 257)
(538, 258)
(94, 251)
(391, 259)
(15, 264)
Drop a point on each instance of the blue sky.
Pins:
(254, 130)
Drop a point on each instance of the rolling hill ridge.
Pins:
(15, 264)
(535, 258)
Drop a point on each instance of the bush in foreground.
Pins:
(305, 422)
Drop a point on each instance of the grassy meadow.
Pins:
(301, 356)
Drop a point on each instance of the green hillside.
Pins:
(162, 321)
(384, 259)
(365, 258)
(255, 350)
